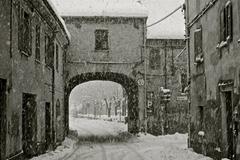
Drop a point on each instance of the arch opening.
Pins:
(130, 86)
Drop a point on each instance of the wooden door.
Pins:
(3, 122)
(230, 124)
(47, 125)
(29, 125)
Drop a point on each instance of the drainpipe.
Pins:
(189, 69)
(66, 105)
(11, 29)
(145, 76)
(165, 116)
(53, 104)
(53, 89)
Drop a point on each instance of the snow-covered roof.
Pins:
(59, 18)
(172, 27)
(92, 8)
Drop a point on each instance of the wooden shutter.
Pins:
(222, 26)
(152, 58)
(20, 27)
(37, 42)
(158, 59)
(229, 21)
(30, 31)
(198, 42)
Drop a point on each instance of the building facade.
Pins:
(212, 32)
(166, 68)
(33, 44)
(108, 48)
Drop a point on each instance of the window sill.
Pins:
(48, 67)
(24, 53)
(222, 44)
(38, 61)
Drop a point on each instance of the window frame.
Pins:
(183, 81)
(226, 23)
(24, 31)
(57, 57)
(154, 59)
(49, 51)
(198, 45)
(38, 43)
(100, 40)
(46, 44)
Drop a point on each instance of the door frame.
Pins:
(29, 135)
(229, 87)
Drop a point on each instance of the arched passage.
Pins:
(129, 84)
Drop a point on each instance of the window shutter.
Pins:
(222, 26)
(229, 24)
(20, 28)
(30, 29)
(198, 42)
(37, 42)
(158, 59)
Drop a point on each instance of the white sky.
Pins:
(173, 27)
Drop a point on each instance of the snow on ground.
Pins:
(60, 153)
(144, 147)
(116, 118)
(92, 127)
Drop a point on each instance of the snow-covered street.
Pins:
(144, 147)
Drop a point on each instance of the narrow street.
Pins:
(142, 147)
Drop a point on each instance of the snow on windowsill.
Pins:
(222, 44)
(24, 53)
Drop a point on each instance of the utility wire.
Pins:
(165, 17)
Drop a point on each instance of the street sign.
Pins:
(165, 95)
(182, 98)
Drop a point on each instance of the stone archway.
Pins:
(128, 83)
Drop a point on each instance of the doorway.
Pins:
(47, 125)
(29, 124)
(3, 106)
(228, 126)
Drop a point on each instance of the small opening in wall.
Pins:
(201, 116)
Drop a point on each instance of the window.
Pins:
(49, 51)
(46, 48)
(101, 40)
(226, 26)
(183, 82)
(24, 33)
(155, 59)
(198, 56)
(37, 43)
(57, 56)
